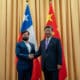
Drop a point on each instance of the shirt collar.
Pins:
(49, 38)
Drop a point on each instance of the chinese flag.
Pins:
(51, 21)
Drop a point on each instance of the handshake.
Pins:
(31, 56)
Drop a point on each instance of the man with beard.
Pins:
(24, 53)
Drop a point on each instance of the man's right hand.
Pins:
(31, 56)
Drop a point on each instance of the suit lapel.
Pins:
(44, 44)
(25, 46)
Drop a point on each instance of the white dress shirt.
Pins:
(28, 46)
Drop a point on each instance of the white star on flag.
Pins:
(25, 18)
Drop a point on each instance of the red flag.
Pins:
(36, 73)
(51, 21)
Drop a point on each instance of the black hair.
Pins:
(49, 27)
(25, 32)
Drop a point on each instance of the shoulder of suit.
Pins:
(55, 38)
(18, 43)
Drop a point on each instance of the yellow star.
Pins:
(49, 18)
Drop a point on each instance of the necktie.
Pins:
(47, 42)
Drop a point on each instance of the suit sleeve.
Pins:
(59, 52)
(38, 53)
(19, 54)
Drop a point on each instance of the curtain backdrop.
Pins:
(68, 19)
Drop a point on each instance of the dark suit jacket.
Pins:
(22, 53)
(52, 56)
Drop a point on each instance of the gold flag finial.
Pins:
(27, 0)
(50, 0)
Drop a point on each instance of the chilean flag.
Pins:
(27, 24)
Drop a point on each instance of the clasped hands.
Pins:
(31, 56)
